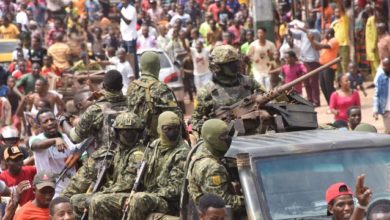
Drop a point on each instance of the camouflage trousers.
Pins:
(101, 206)
(142, 204)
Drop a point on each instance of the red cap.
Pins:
(336, 190)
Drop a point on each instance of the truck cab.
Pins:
(285, 175)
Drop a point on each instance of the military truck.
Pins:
(285, 175)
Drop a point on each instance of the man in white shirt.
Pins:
(260, 52)
(120, 64)
(146, 41)
(129, 33)
(124, 67)
(288, 45)
(184, 17)
(51, 148)
(22, 18)
(200, 58)
(162, 39)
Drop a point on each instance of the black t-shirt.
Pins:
(37, 55)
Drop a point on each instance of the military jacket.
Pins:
(91, 121)
(213, 96)
(165, 173)
(87, 173)
(124, 169)
(207, 174)
(148, 97)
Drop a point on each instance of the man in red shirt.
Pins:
(17, 177)
(214, 9)
(38, 209)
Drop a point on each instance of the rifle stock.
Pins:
(254, 102)
(71, 161)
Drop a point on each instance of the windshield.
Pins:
(295, 185)
(164, 62)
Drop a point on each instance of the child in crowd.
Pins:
(356, 78)
(293, 70)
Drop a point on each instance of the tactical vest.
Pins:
(225, 96)
(110, 111)
(142, 104)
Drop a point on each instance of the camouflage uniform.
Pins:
(87, 174)
(215, 94)
(164, 175)
(148, 97)
(91, 121)
(207, 173)
(119, 179)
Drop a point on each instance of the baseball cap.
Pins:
(336, 190)
(12, 153)
(43, 179)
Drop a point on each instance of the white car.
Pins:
(170, 74)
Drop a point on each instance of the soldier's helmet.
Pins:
(9, 132)
(128, 120)
(224, 54)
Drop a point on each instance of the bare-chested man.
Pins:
(31, 101)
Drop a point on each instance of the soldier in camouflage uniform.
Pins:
(207, 173)
(148, 97)
(227, 87)
(165, 171)
(119, 180)
(91, 121)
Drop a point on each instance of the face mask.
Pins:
(128, 138)
(228, 74)
(172, 134)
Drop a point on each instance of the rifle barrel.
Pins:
(279, 90)
(308, 75)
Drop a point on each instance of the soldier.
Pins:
(148, 97)
(122, 171)
(227, 87)
(207, 173)
(165, 171)
(92, 120)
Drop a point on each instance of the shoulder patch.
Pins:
(138, 155)
(216, 180)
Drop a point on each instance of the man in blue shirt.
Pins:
(381, 95)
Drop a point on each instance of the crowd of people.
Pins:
(63, 46)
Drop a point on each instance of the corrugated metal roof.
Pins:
(264, 145)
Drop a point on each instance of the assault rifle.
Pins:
(137, 182)
(71, 161)
(95, 186)
(253, 107)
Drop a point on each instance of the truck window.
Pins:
(295, 185)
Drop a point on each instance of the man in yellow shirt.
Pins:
(60, 52)
(8, 30)
(371, 44)
(341, 28)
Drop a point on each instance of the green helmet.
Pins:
(128, 120)
(366, 128)
(224, 54)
